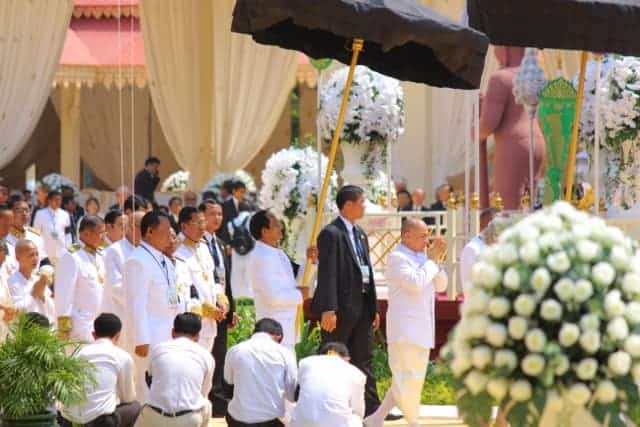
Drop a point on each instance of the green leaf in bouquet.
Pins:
(608, 414)
(628, 386)
(518, 415)
(475, 409)
(596, 306)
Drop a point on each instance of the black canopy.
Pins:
(403, 39)
(608, 26)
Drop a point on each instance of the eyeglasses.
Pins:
(21, 210)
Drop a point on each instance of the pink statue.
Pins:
(509, 123)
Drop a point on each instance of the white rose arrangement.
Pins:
(374, 116)
(55, 181)
(241, 175)
(554, 311)
(177, 182)
(290, 189)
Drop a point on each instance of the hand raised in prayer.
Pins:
(9, 313)
(376, 322)
(437, 249)
(142, 350)
(39, 287)
(329, 321)
(312, 254)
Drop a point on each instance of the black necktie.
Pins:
(214, 251)
(359, 249)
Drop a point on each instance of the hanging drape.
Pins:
(218, 95)
(32, 35)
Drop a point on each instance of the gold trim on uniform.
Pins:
(17, 233)
(209, 311)
(65, 324)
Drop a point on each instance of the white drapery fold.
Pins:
(32, 35)
(218, 95)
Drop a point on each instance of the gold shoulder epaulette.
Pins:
(177, 258)
(74, 248)
(33, 230)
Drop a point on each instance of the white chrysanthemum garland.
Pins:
(290, 189)
(374, 116)
(216, 182)
(55, 181)
(176, 182)
(553, 316)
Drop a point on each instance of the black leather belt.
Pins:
(170, 415)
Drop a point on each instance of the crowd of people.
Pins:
(147, 288)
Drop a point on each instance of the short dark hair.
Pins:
(152, 161)
(174, 199)
(206, 203)
(187, 324)
(94, 200)
(37, 319)
(67, 199)
(405, 192)
(151, 220)
(134, 203)
(107, 325)
(90, 222)
(259, 221)
(268, 326)
(186, 214)
(335, 347)
(228, 185)
(112, 216)
(208, 195)
(53, 193)
(237, 185)
(15, 198)
(348, 193)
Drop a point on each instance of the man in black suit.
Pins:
(175, 206)
(442, 198)
(221, 392)
(148, 179)
(231, 208)
(404, 201)
(345, 297)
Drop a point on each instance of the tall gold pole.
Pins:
(573, 148)
(357, 46)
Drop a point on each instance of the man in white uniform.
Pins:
(180, 373)
(271, 276)
(7, 309)
(331, 390)
(21, 230)
(152, 298)
(116, 224)
(115, 299)
(30, 290)
(111, 400)
(193, 250)
(79, 284)
(264, 375)
(413, 280)
(471, 252)
(54, 224)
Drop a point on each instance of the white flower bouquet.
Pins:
(216, 182)
(290, 189)
(374, 116)
(176, 182)
(552, 320)
(55, 181)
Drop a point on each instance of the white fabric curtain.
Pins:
(218, 95)
(32, 35)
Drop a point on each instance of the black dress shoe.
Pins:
(393, 417)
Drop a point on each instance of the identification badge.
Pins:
(54, 235)
(366, 279)
(172, 296)
(219, 275)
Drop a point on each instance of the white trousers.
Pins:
(150, 418)
(408, 363)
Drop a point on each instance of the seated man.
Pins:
(114, 381)
(181, 374)
(264, 374)
(331, 390)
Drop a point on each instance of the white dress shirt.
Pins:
(114, 299)
(114, 382)
(212, 240)
(20, 289)
(79, 285)
(182, 373)
(52, 225)
(350, 226)
(331, 393)
(152, 298)
(264, 374)
(468, 257)
(5, 300)
(275, 288)
(31, 234)
(413, 281)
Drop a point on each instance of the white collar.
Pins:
(348, 224)
(210, 236)
(154, 252)
(103, 340)
(410, 251)
(262, 336)
(266, 247)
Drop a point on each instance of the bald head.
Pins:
(415, 234)
(24, 245)
(417, 198)
(412, 224)
(27, 256)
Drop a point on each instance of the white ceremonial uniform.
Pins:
(5, 300)
(31, 234)
(10, 264)
(198, 260)
(20, 289)
(331, 393)
(468, 257)
(53, 225)
(275, 289)
(114, 382)
(263, 374)
(152, 301)
(114, 299)
(413, 281)
(182, 375)
(79, 286)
